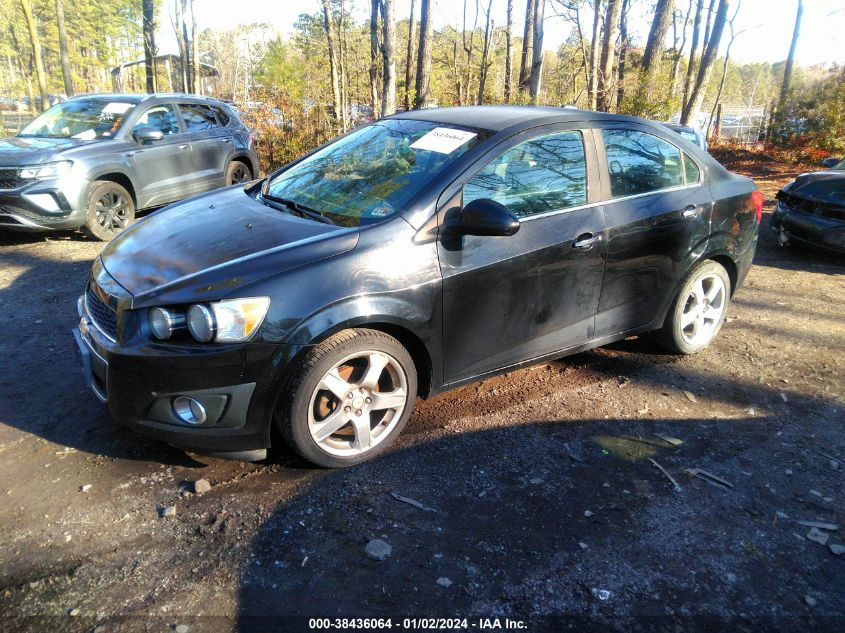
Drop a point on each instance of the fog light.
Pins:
(188, 410)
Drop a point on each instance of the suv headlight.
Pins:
(229, 321)
(47, 170)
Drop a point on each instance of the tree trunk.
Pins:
(388, 49)
(594, 57)
(537, 52)
(149, 45)
(604, 94)
(179, 8)
(374, 55)
(696, 29)
(196, 76)
(409, 58)
(508, 51)
(332, 50)
(60, 23)
(423, 56)
(790, 61)
(663, 12)
(623, 53)
(527, 40)
(678, 51)
(485, 54)
(707, 59)
(40, 75)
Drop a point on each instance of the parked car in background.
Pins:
(690, 133)
(95, 160)
(811, 209)
(421, 252)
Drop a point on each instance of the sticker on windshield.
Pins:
(116, 107)
(381, 210)
(443, 140)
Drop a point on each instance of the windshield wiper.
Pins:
(301, 210)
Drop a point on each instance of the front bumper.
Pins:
(236, 385)
(43, 205)
(809, 228)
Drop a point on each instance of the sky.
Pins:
(764, 27)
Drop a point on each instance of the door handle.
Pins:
(586, 241)
(183, 146)
(224, 140)
(690, 212)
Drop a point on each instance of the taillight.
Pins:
(757, 199)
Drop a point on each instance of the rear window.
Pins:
(640, 163)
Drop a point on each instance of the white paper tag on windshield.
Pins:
(116, 107)
(443, 140)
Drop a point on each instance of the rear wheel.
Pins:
(699, 310)
(238, 172)
(350, 399)
(110, 209)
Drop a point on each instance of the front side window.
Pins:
(372, 173)
(544, 174)
(159, 117)
(83, 119)
(197, 117)
(640, 163)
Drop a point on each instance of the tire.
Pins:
(698, 311)
(328, 413)
(110, 209)
(237, 172)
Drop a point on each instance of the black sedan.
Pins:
(421, 252)
(811, 209)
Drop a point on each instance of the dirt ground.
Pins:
(541, 500)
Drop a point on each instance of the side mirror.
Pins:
(487, 217)
(147, 135)
(830, 161)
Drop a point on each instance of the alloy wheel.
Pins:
(703, 309)
(239, 174)
(357, 403)
(112, 211)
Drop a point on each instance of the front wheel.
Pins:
(350, 399)
(699, 310)
(110, 209)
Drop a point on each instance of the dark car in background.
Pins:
(427, 250)
(94, 160)
(811, 209)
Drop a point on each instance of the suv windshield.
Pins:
(368, 175)
(84, 119)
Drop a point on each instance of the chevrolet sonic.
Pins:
(421, 252)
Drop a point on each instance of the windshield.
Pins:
(84, 119)
(839, 165)
(372, 173)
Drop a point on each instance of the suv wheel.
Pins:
(237, 172)
(699, 310)
(110, 210)
(350, 399)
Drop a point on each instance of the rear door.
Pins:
(163, 168)
(511, 299)
(658, 211)
(210, 145)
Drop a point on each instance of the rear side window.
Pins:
(640, 163)
(691, 170)
(197, 117)
(222, 116)
(544, 174)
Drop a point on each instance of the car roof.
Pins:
(156, 96)
(497, 118)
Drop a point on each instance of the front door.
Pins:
(511, 299)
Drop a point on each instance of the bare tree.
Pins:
(604, 93)
(388, 53)
(60, 24)
(375, 6)
(409, 58)
(734, 35)
(592, 83)
(707, 59)
(663, 12)
(328, 27)
(179, 7)
(508, 51)
(696, 29)
(678, 49)
(790, 61)
(537, 51)
(469, 49)
(527, 40)
(150, 51)
(35, 42)
(196, 76)
(485, 53)
(624, 43)
(423, 56)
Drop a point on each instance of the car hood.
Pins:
(827, 187)
(17, 150)
(207, 247)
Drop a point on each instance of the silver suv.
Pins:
(94, 160)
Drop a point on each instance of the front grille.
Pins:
(101, 314)
(9, 179)
(812, 207)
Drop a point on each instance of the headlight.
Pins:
(229, 321)
(201, 323)
(47, 170)
(164, 322)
